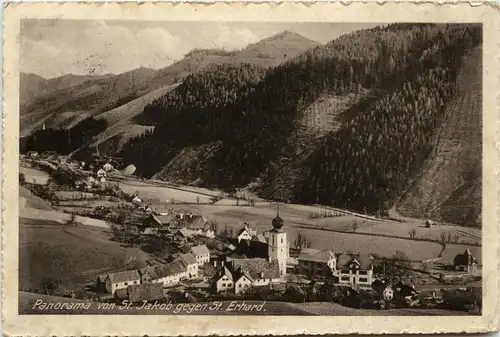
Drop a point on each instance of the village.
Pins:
(199, 260)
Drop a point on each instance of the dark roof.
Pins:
(464, 259)
(145, 292)
(380, 285)
(209, 270)
(315, 255)
(170, 269)
(164, 219)
(259, 238)
(193, 221)
(200, 250)
(124, 276)
(254, 267)
(365, 261)
(188, 259)
(151, 271)
(184, 232)
(224, 271)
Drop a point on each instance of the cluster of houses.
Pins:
(91, 181)
(184, 267)
(177, 225)
(254, 260)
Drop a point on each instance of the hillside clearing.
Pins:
(73, 254)
(34, 176)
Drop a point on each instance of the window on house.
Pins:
(345, 271)
(363, 272)
(281, 240)
(135, 282)
(344, 278)
(363, 279)
(223, 285)
(126, 284)
(239, 285)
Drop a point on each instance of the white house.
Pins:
(107, 167)
(190, 263)
(167, 274)
(122, 280)
(201, 253)
(224, 280)
(246, 233)
(136, 200)
(240, 274)
(354, 269)
(101, 173)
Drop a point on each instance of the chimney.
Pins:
(270, 259)
(215, 263)
(222, 263)
(261, 274)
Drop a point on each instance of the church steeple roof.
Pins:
(277, 221)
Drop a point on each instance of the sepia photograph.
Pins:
(250, 168)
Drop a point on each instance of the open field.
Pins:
(61, 218)
(73, 254)
(452, 250)
(149, 191)
(28, 199)
(260, 217)
(402, 229)
(34, 176)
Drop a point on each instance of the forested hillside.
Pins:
(404, 76)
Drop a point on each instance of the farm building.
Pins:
(383, 289)
(246, 233)
(122, 280)
(316, 262)
(107, 167)
(136, 200)
(163, 220)
(145, 292)
(101, 173)
(201, 253)
(190, 263)
(239, 275)
(430, 224)
(465, 262)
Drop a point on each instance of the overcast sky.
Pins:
(53, 48)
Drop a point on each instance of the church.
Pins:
(255, 261)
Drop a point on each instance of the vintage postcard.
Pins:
(242, 169)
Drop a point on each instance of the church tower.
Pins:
(277, 247)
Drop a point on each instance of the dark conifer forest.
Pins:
(410, 70)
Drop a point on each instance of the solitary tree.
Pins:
(443, 237)
(412, 233)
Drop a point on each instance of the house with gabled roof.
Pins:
(246, 233)
(465, 261)
(190, 264)
(145, 292)
(354, 269)
(201, 253)
(223, 280)
(316, 262)
(121, 280)
(169, 274)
